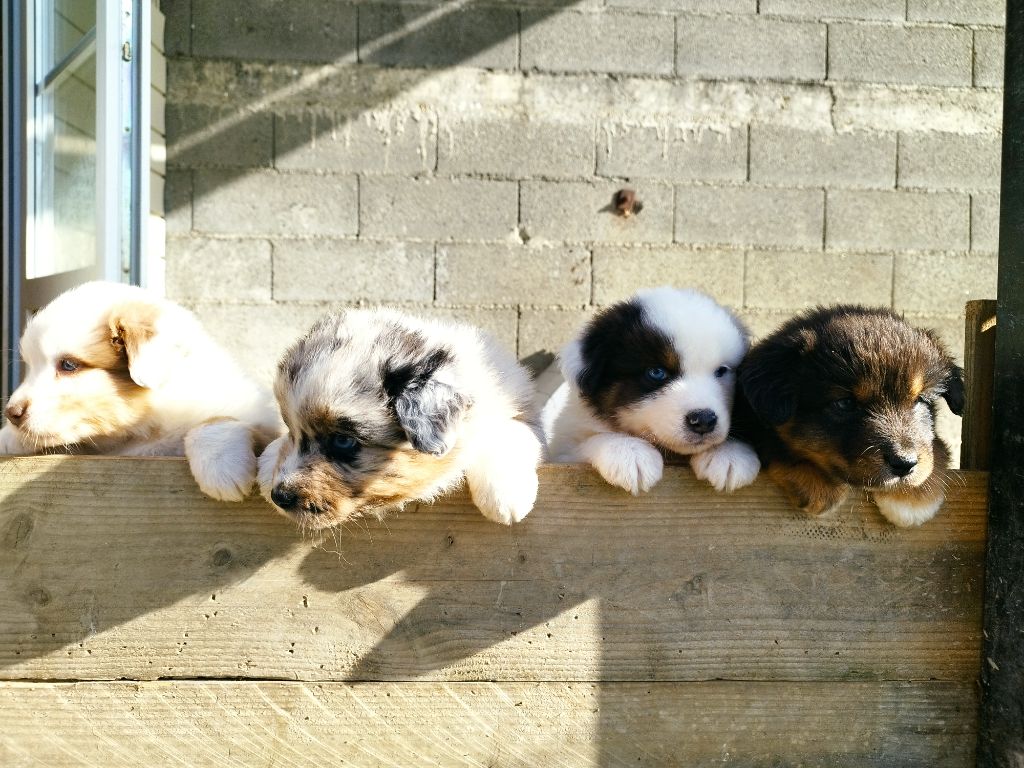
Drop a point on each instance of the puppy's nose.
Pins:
(901, 466)
(16, 412)
(284, 497)
(703, 421)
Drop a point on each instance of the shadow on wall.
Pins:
(338, 72)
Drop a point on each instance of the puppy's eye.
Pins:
(843, 405)
(341, 447)
(67, 365)
(722, 371)
(656, 374)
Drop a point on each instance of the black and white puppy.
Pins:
(655, 370)
(383, 408)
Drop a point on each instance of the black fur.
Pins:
(425, 408)
(618, 347)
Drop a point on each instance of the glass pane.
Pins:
(65, 215)
(70, 21)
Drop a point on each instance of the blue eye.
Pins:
(844, 405)
(67, 365)
(656, 374)
(721, 371)
(341, 447)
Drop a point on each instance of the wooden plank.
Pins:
(115, 568)
(857, 725)
(979, 362)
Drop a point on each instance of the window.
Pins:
(76, 131)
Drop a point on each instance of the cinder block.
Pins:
(177, 27)
(699, 6)
(882, 10)
(949, 160)
(266, 202)
(441, 209)
(405, 36)
(876, 53)
(548, 330)
(761, 322)
(501, 323)
(349, 271)
(897, 220)
(257, 334)
(985, 222)
(750, 216)
(794, 281)
(583, 212)
(201, 136)
(736, 46)
(620, 43)
(926, 281)
(989, 57)
(496, 274)
(958, 11)
(516, 147)
(781, 155)
(672, 153)
(200, 269)
(264, 30)
(620, 272)
(178, 202)
(361, 143)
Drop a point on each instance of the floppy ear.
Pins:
(426, 408)
(767, 379)
(953, 392)
(133, 334)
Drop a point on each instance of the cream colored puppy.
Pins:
(112, 369)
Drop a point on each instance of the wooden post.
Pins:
(979, 358)
(1001, 733)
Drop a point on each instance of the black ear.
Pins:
(426, 408)
(954, 389)
(767, 379)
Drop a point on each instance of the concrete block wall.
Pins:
(461, 160)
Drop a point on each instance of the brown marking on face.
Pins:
(131, 325)
(815, 447)
(808, 488)
(863, 391)
(916, 385)
(382, 478)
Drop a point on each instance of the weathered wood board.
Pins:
(682, 627)
(204, 723)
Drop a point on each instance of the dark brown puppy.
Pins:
(846, 396)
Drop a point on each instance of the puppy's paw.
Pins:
(269, 461)
(509, 501)
(905, 511)
(727, 466)
(222, 459)
(503, 478)
(628, 462)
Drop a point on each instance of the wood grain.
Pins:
(979, 373)
(114, 568)
(856, 725)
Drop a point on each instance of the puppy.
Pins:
(383, 409)
(112, 369)
(655, 370)
(846, 396)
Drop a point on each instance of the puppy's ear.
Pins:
(767, 379)
(953, 391)
(427, 408)
(133, 334)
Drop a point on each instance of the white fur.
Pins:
(901, 511)
(496, 442)
(198, 402)
(706, 337)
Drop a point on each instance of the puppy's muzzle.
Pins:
(284, 497)
(16, 413)
(702, 421)
(899, 464)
